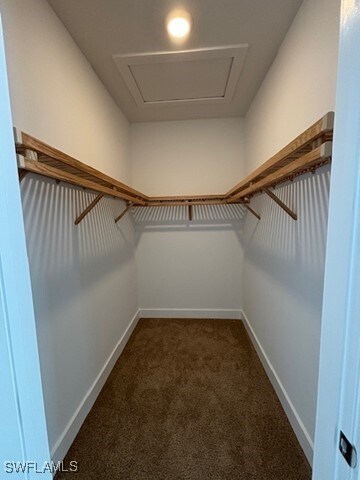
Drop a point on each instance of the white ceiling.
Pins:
(127, 44)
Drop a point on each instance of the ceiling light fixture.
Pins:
(178, 24)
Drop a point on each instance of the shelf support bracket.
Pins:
(281, 204)
(247, 206)
(20, 158)
(89, 208)
(21, 164)
(22, 174)
(124, 212)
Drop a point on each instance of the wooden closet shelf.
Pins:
(312, 159)
(43, 169)
(307, 152)
(320, 132)
(58, 160)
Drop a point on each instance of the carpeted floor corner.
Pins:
(187, 400)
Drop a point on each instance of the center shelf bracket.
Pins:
(190, 213)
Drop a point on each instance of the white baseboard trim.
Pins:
(226, 314)
(63, 444)
(299, 428)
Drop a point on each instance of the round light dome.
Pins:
(179, 24)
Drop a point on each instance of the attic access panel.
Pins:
(185, 77)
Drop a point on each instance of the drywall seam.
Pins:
(224, 313)
(71, 430)
(294, 418)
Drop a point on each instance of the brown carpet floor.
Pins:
(188, 400)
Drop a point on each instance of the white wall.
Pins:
(284, 260)
(55, 94)
(183, 265)
(83, 278)
(187, 157)
(300, 85)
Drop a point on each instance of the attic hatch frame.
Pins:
(306, 153)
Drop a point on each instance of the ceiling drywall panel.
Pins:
(108, 28)
(202, 76)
